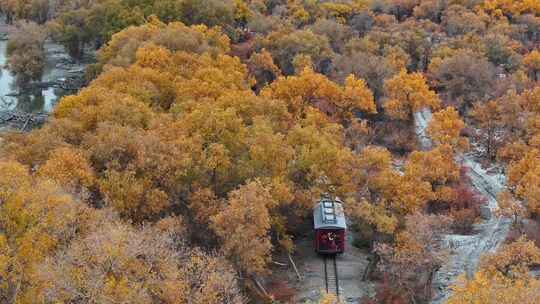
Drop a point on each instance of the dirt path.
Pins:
(467, 249)
(350, 266)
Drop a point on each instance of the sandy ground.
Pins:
(351, 266)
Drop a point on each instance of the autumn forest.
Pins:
(186, 167)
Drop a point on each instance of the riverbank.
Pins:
(12, 120)
(25, 108)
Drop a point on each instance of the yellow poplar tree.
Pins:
(503, 277)
(243, 227)
(445, 128)
(408, 93)
(316, 90)
(532, 62)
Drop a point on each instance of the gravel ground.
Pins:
(351, 266)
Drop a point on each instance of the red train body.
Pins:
(329, 226)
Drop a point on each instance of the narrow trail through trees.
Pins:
(467, 249)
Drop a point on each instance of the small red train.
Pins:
(329, 225)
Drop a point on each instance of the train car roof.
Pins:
(328, 214)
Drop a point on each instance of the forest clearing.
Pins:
(270, 151)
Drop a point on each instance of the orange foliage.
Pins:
(177, 144)
(244, 225)
(69, 168)
(408, 93)
(532, 63)
(445, 128)
(524, 175)
(503, 276)
(315, 90)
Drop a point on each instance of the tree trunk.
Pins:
(372, 265)
(295, 268)
(429, 288)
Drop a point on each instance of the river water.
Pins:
(43, 97)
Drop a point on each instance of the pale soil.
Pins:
(351, 266)
(467, 249)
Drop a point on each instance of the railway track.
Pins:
(331, 275)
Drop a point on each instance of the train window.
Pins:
(330, 218)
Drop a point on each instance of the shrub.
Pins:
(530, 228)
(26, 52)
(465, 207)
(387, 293)
(463, 220)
